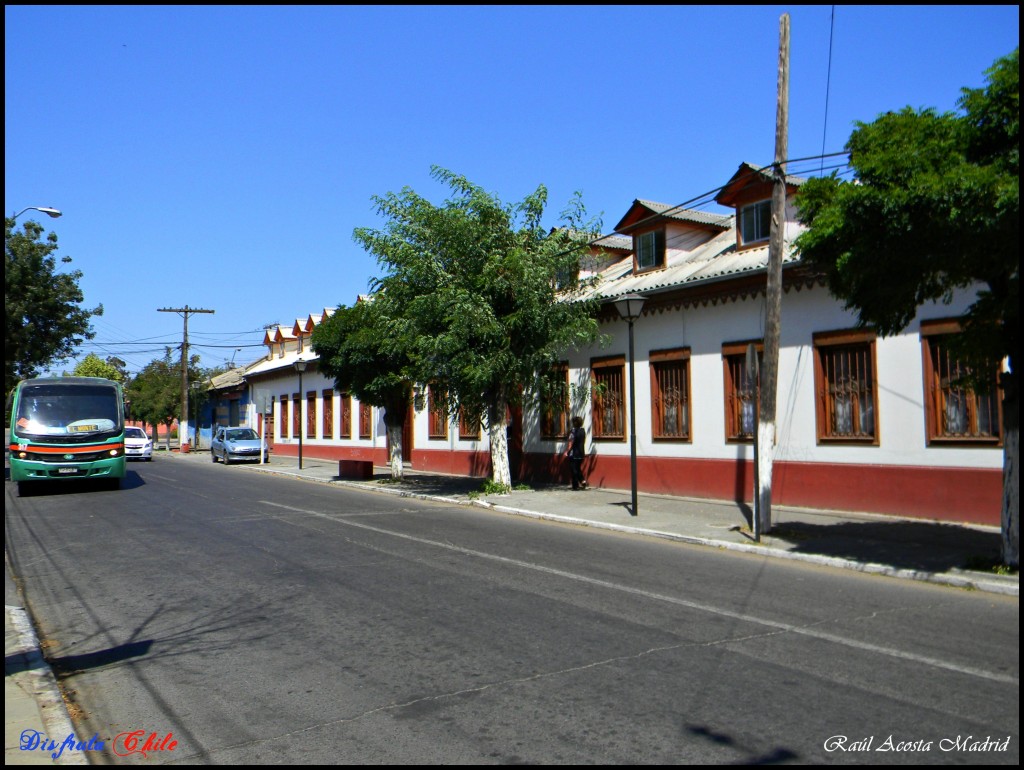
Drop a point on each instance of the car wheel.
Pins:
(213, 457)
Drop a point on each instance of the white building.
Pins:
(864, 423)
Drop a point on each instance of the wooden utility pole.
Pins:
(766, 429)
(183, 420)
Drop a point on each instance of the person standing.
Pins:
(577, 451)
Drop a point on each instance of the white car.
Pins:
(137, 445)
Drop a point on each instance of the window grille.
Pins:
(608, 401)
(956, 412)
(437, 407)
(328, 426)
(365, 420)
(670, 395)
(345, 415)
(847, 392)
(554, 402)
(741, 390)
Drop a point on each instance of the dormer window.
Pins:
(756, 222)
(650, 250)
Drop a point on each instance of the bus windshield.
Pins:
(67, 409)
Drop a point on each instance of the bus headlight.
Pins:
(113, 452)
(22, 455)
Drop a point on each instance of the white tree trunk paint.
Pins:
(395, 451)
(497, 435)
(765, 453)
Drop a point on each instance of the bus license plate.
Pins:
(67, 471)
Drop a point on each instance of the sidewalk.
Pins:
(911, 549)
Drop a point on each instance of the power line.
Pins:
(185, 312)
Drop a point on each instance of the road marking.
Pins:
(779, 626)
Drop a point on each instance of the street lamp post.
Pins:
(630, 307)
(300, 367)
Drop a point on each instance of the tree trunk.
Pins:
(1011, 472)
(395, 451)
(394, 422)
(497, 434)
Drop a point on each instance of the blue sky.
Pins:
(220, 157)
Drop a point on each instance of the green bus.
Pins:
(67, 428)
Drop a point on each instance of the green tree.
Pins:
(482, 294)
(934, 208)
(45, 317)
(94, 366)
(155, 392)
(360, 348)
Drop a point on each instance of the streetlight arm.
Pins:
(50, 212)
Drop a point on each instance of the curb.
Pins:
(43, 685)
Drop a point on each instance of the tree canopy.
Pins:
(45, 318)
(360, 347)
(934, 208)
(94, 366)
(155, 392)
(481, 293)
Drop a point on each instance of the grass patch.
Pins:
(990, 564)
(490, 487)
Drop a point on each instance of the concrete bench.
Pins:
(355, 469)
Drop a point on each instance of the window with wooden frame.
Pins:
(345, 415)
(311, 414)
(469, 429)
(670, 394)
(296, 414)
(608, 401)
(649, 249)
(554, 402)
(846, 386)
(365, 420)
(437, 413)
(328, 414)
(755, 222)
(284, 417)
(955, 413)
(741, 391)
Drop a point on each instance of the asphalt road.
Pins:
(259, 619)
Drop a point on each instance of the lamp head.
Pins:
(629, 306)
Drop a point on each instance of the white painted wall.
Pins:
(899, 376)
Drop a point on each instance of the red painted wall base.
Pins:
(946, 494)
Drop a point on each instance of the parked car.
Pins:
(230, 444)
(137, 444)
